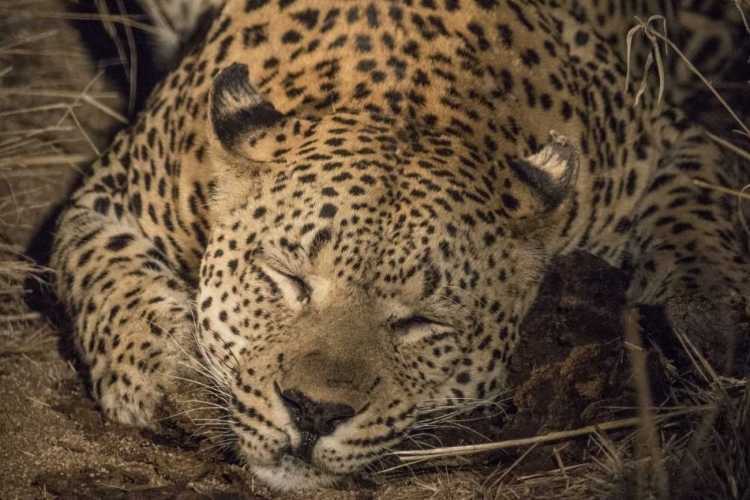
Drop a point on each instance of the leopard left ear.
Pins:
(545, 184)
(243, 125)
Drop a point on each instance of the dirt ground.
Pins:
(570, 371)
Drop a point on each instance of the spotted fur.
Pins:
(360, 199)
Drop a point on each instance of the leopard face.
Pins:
(340, 295)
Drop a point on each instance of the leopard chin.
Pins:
(293, 474)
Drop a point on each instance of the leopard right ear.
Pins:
(244, 126)
(543, 186)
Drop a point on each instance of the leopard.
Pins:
(341, 213)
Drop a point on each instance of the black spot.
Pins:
(136, 204)
(85, 257)
(118, 242)
(224, 49)
(220, 30)
(623, 225)
(510, 202)
(308, 18)
(477, 30)
(352, 15)
(487, 4)
(253, 36)
(291, 37)
(431, 281)
(566, 111)
(546, 101)
(363, 43)
(530, 58)
(520, 14)
(101, 205)
(705, 215)
(328, 211)
(506, 35)
(630, 185)
(530, 93)
(681, 227)
(330, 20)
(372, 16)
(366, 65)
(254, 4)
(270, 63)
(582, 38)
(692, 166)
(660, 182)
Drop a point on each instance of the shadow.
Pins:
(41, 295)
(115, 58)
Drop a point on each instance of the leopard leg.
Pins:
(131, 312)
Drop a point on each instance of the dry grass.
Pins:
(15, 318)
(57, 113)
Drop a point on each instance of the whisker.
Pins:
(210, 404)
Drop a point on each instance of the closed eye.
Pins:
(290, 284)
(406, 324)
(303, 289)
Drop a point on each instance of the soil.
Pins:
(570, 370)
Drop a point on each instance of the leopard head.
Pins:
(360, 270)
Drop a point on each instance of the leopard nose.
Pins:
(318, 418)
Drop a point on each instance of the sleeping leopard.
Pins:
(340, 212)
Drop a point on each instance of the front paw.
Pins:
(131, 383)
(131, 397)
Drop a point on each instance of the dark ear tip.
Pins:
(235, 75)
(237, 69)
(237, 109)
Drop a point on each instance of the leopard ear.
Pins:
(243, 125)
(545, 183)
